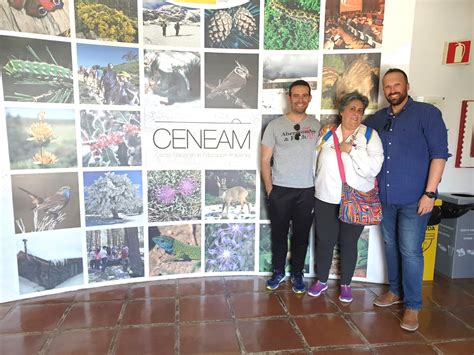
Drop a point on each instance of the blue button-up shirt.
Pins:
(411, 139)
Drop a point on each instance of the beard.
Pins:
(395, 101)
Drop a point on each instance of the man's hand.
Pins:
(269, 191)
(425, 205)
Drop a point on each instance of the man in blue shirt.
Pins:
(415, 144)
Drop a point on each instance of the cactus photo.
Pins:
(35, 70)
(107, 20)
(230, 247)
(235, 27)
(292, 24)
(174, 195)
(110, 138)
(41, 138)
(230, 194)
(174, 249)
(168, 24)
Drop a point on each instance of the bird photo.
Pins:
(50, 205)
(231, 80)
(44, 202)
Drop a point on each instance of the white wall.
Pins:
(436, 22)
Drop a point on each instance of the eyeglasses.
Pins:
(388, 125)
(297, 129)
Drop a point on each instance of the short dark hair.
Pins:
(396, 70)
(347, 98)
(299, 83)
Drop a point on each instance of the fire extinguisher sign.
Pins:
(457, 52)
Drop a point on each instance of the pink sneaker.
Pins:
(346, 294)
(317, 288)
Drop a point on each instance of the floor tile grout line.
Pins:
(113, 342)
(293, 324)
(459, 319)
(230, 304)
(177, 323)
(340, 347)
(356, 329)
(57, 330)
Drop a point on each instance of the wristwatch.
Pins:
(430, 194)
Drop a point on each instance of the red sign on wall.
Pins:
(457, 52)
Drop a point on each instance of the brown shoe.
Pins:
(410, 320)
(387, 299)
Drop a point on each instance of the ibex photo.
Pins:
(230, 194)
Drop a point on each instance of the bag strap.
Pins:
(338, 155)
(368, 133)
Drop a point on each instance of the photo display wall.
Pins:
(131, 131)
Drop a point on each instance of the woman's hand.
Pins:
(346, 147)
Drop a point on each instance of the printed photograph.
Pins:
(230, 247)
(43, 202)
(361, 264)
(172, 79)
(282, 69)
(107, 20)
(235, 27)
(108, 75)
(168, 24)
(41, 138)
(48, 261)
(113, 197)
(345, 73)
(46, 17)
(110, 138)
(354, 24)
(174, 195)
(292, 25)
(231, 80)
(35, 70)
(174, 249)
(265, 251)
(115, 254)
(230, 194)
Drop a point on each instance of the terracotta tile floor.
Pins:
(235, 315)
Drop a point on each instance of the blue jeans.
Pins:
(403, 233)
